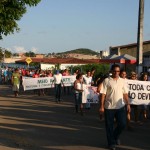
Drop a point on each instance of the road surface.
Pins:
(32, 122)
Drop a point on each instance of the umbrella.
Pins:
(128, 58)
(112, 59)
(123, 59)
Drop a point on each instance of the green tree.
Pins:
(1, 54)
(4, 53)
(15, 54)
(84, 51)
(101, 69)
(8, 54)
(10, 12)
(30, 54)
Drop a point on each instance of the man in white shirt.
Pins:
(114, 97)
(57, 82)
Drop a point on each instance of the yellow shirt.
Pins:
(16, 78)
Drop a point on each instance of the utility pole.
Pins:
(139, 56)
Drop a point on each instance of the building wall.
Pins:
(62, 66)
(11, 60)
(65, 66)
(130, 50)
(146, 62)
(47, 66)
(113, 51)
(39, 56)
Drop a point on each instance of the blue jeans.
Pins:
(120, 116)
(57, 91)
(78, 101)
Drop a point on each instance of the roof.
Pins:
(129, 45)
(122, 61)
(119, 59)
(126, 57)
(60, 60)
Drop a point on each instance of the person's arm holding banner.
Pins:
(126, 99)
(62, 82)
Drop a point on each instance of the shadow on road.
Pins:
(39, 123)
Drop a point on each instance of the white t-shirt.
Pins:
(57, 78)
(114, 90)
(79, 87)
(87, 80)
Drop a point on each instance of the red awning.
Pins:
(122, 61)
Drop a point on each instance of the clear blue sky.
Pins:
(62, 25)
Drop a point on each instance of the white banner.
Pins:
(38, 83)
(139, 92)
(45, 82)
(24, 77)
(89, 95)
(68, 80)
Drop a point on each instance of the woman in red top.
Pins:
(35, 75)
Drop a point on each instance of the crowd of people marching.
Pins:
(14, 77)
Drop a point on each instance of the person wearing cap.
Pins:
(114, 97)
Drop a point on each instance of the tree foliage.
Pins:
(15, 54)
(84, 51)
(10, 12)
(4, 53)
(101, 69)
(30, 54)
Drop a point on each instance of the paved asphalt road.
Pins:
(31, 122)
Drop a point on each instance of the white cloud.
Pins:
(33, 49)
(19, 49)
(9, 49)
